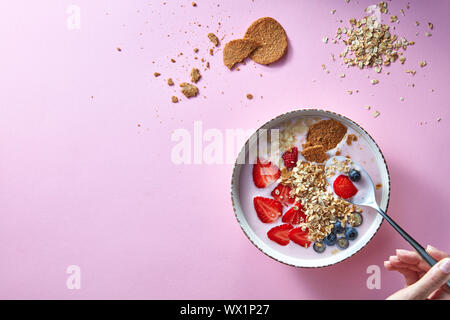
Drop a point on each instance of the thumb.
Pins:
(438, 275)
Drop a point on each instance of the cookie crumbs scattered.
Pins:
(172, 60)
(211, 51)
(350, 92)
(394, 18)
(378, 186)
(170, 82)
(402, 60)
(342, 75)
(422, 63)
(189, 90)
(430, 25)
(213, 38)
(174, 99)
(194, 4)
(374, 81)
(195, 75)
(367, 107)
(249, 96)
(157, 74)
(438, 119)
(195, 50)
(333, 11)
(375, 114)
(428, 34)
(325, 39)
(119, 49)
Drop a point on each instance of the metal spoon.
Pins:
(367, 199)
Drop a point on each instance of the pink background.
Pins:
(81, 183)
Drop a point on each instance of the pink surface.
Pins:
(83, 184)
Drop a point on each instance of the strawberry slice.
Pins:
(281, 193)
(265, 173)
(290, 158)
(268, 210)
(344, 187)
(300, 237)
(280, 234)
(294, 215)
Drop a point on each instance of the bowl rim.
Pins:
(267, 124)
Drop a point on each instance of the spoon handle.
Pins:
(430, 260)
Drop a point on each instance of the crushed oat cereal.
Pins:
(189, 90)
(322, 209)
(370, 43)
(213, 38)
(195, 75)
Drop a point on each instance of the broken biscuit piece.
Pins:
(237, 50)
(188, 89)
(195, 75)
(315, 154)
(272, 38)
(213, 38)
(327, 133)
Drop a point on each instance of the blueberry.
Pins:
(354, 175)
(351, 233)
(338, 228)
(330, 239)
(319, 247)
(356, 219)
(342, 243)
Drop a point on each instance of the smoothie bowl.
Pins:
(290, 206)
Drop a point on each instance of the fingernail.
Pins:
(445, 265)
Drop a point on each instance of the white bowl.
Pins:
(294, 258)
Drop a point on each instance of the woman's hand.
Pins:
(422, 281)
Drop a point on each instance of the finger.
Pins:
(433, 280)
(436, 253)
(397, 263)
(412, 258)
(409, 275)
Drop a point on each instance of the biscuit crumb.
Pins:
(211, 51)
(194, 4)
(213, 38)
(315, 154)
(157, 74)
(249, 96)
(174, 99)
(195, 50)
(195, 75)
(350, 138)
(119, 49)
(170, 82)
(378, 186)
(188, 89)
(172, 60)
